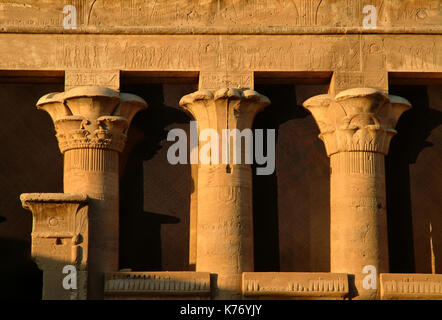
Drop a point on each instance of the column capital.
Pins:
(225, 108)
(91, 116)
(359, 119)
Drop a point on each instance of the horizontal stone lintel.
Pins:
(157, 283)
(295, 284)
(414, 286)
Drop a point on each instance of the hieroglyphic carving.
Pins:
(29, 13)
(210, 53)
(303, 53)
(212, 80)
(406, 55)
(403, 12)
(416, 57)
(75, 78)
(76, 53)
(179, 55)
(346, 80)
(166, 12)
(373, 53)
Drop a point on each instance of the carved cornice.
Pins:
(221, 30)
(91, 117)
(360, 119)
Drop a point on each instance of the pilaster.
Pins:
(60, 237)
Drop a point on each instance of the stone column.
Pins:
(356, 127)
(91, 124)
(224, 223)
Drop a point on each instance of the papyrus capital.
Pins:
(225, 108)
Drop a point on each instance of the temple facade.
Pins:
(342, 99)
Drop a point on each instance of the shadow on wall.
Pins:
(291, 207)
(31, 162)
(154, 195)
(19, 276)
(413, 171)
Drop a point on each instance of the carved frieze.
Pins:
(157, 284)
(416, 286)
(295, 284)
(236, 13)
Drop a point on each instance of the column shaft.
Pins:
(95, 172)
(358, 222)
(224, 194)
(225, 225)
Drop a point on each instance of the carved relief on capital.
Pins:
(360, 119)
(59, 230)
(225, 108)
(91, 117)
